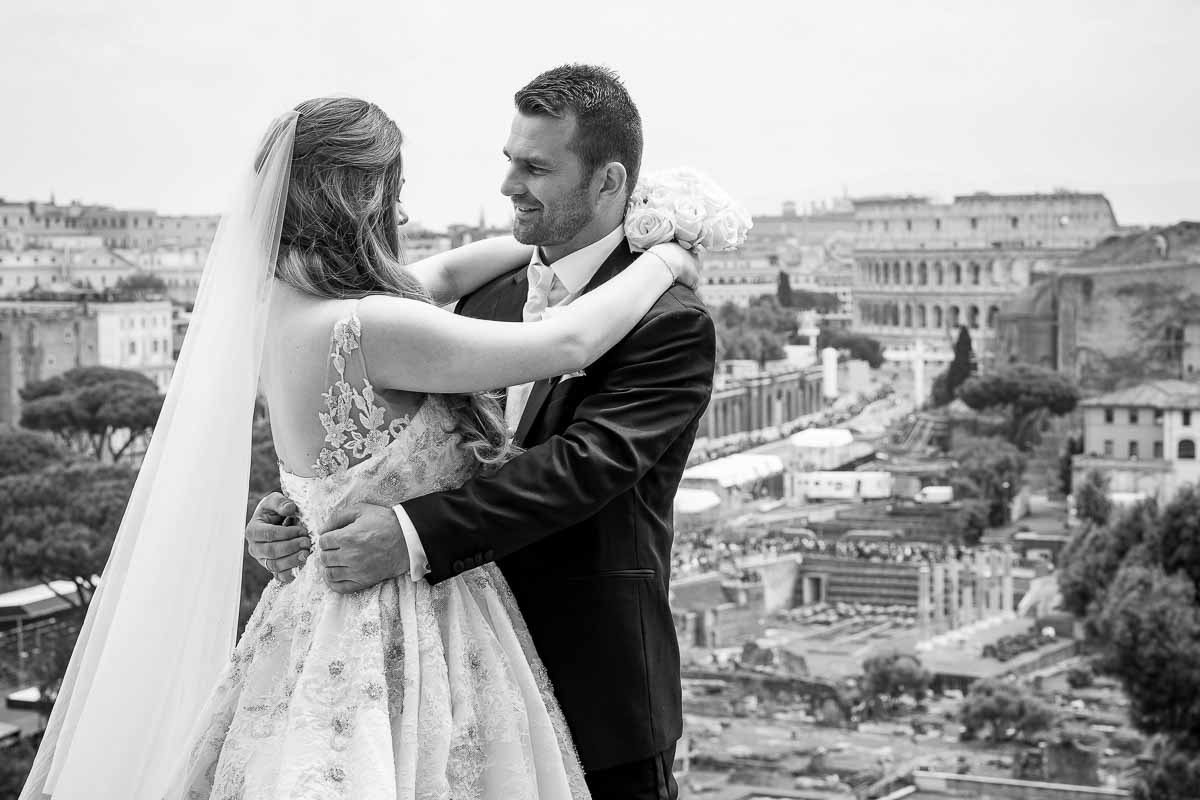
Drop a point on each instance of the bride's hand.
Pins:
(684, 264)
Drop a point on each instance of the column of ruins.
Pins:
(955, 595)
(939, 598)
(981, 579)
(923, 600)
(968, 593)
(994, 559)
(1009, 605)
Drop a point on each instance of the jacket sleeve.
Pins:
(651, 387)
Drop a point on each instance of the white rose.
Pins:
(689, 220)
(647, 226)
(725, 231)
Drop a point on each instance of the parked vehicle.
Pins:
(935, 495)
(831, 485)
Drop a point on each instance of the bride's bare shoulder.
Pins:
(296, 313)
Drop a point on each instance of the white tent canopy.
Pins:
(822, 437)
(695, 501)
(736, 470)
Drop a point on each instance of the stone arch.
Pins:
(937, 316)
(908, 273)
(976, 271)
(896, 272)
(952, 315)
(956, 273)
(922, 274)
(939, 273)
(973, 317)
(1186, 451)
(908, 316)
(922, 316)
(993, 314)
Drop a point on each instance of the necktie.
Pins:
(545, 292)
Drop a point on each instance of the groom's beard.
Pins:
(546, 228)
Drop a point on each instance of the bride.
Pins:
(375, 395)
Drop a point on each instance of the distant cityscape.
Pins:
(919, 408)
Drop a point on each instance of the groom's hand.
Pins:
(275, 538)
(364, 546)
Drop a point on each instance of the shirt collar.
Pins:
(577, 269)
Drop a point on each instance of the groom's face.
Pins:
(546, 181)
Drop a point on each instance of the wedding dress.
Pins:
(403, 690)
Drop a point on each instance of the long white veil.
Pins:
(161, 627)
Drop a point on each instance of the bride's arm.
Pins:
(456, 273)
(418, 347)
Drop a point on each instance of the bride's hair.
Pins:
(341, 232)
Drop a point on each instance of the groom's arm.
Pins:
(654, 384)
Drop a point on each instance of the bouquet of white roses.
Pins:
(684, 206)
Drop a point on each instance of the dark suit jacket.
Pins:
(581, 523)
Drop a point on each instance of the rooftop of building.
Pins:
(977, 197)
(1164, 394)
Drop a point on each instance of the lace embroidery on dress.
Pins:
(355, 425)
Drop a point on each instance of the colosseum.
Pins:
(922, 269)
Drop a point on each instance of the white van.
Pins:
(935, 495)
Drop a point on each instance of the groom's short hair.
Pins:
(609, 126)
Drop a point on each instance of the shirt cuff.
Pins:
(418, 562)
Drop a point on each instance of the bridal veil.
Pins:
(162, 624)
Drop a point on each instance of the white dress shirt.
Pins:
(572, 273)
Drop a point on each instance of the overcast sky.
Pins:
(153, 104)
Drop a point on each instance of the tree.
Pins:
(783, 290)
(889, 676)
(1026, 393)
(1093, 555)
(859, 346)
(973, 516)
(962, 366)
(86, 406)
(23, 451)
(59, 523)
(939, 391)
(1172, 773)
(821, 302)
(1137, 586)
(1150, 626)
(1005, 710)
(989, 470)
(1066, 464)
(757, 332)
(1091, 499)
(141, 284)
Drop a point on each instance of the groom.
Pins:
(581, 522)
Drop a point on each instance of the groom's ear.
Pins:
(613, 182)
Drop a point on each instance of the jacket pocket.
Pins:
(627, 574)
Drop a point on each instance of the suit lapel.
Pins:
(620, 258)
